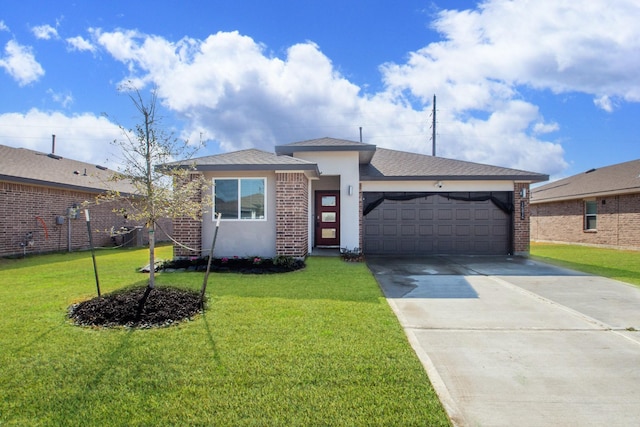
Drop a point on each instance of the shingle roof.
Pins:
(250, 159)
(399, 165)
(33, 167)
(621, 178)
(329, 144)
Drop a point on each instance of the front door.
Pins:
(328, 218)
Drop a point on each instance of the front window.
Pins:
(240, 198)
(590, 214)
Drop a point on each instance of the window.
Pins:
(590, 214)
(240, 198)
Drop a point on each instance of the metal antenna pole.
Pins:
(433, 127)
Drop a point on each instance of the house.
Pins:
(343, 194)
(41, 202)
(600, 207)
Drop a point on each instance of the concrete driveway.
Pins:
(514, 342)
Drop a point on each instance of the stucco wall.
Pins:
(243, 237)
(342, 165)
(618, 222)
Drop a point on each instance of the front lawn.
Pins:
(319, 346)
(615, 264)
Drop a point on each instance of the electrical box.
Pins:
(59, 220)
(73, 212)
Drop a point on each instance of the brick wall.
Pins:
(618, 222)
(188, 232)
(292, 216)
(521, 219)
(34, 209)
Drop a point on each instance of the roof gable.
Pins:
(620, 178)
(326, 144)
(401, 165)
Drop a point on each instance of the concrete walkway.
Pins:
(514, 342)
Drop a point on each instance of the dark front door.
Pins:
(328, 218)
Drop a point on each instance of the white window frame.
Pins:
(588, 215)
(239, 180)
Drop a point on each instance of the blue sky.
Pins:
(549, 86)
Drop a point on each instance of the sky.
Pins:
(549, 86)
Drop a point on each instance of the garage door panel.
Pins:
(408, 230)
(389, 214)
(425, 213)
(445, 231)
(434, 225)
(408, 214)
(463, 214)
(481, 214)
(425, 230)
(463, 230)
(390, 230)
(481, 231)
(445, 214)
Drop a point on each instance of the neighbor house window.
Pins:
(590, 214)
(240, 198)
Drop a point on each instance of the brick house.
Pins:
(600, 207)
(39, 197)
(343, 194)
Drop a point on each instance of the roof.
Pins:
(25, 166)
(328, 144)
(401, 165)
(375, 163)
(250, 159)
(621, 178)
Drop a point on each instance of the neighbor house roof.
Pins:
(401, 165)
(250, 159)
(621, 178)
(365, 151)
(21, 165)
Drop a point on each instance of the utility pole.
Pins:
(433, 128)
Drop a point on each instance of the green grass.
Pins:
(615, 264)
(318, 346)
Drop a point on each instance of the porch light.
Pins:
(349, 189)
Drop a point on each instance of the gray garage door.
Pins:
(436, 225)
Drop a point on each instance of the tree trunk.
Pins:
(152, 256)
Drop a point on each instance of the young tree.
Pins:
(144, 150)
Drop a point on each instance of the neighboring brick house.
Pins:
(343, 194)
(38, 194)
(600, 207)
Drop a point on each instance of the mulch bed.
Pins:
(163, 307)
(235, 265)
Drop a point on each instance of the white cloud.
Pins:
(83, 137)
(237, 93)
(64, 99)
(229, 89)
(21, 64)
(44, 32)
(604, 102)
(80, 44)
(560, 45)
(3, 26)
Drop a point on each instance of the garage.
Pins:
(437, 223)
